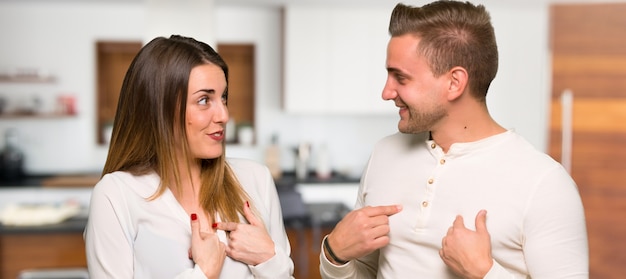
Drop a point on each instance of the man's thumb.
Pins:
(481, 221)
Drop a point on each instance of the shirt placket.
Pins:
(431, 185)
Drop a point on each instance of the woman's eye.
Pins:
(203, 101)
(225, 98)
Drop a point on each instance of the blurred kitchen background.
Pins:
(305, 99)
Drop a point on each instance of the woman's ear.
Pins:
(458, 82)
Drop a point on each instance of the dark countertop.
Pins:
(31, 180)
(289, 180)
(71, 225)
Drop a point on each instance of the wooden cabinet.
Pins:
(335, 60)
(20, 251)
(305, 250)
(113, 60)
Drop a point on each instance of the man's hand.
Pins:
(467, 252)
(248, 243)
(361, 232)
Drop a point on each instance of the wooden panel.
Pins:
(593, 115)
(588, 28)
(240, 60)
(600, 64)
(113, 60)
(305, 250)
(590, 85)
(589, 58)
(606, 228)
(598, 164)
(46, 250)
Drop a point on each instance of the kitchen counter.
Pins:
(76, 224)
(289, 180)
(309, 202)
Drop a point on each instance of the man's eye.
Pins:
(400, 79)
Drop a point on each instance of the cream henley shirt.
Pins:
(534, 212)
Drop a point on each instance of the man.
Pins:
(454, 194)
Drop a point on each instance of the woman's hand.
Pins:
(248, 243)
(207, 251)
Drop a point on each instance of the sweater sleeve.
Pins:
(364, 267)
(555, 235)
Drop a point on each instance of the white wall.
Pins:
(60, 37)
(517, 99)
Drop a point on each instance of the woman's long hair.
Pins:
(151, 111)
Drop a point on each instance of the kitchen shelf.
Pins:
(27, 79)
(11, 116)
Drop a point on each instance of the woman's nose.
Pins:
(221, 116)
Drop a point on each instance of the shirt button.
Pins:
(424, 203)
(430, 181)
(442, 161)
(432, 145)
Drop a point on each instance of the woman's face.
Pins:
(206, 114)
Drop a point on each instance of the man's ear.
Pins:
(458, 82)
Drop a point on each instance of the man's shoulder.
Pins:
(403, 139)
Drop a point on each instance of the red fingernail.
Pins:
(247, 204)
(214, 225)
(194, 217)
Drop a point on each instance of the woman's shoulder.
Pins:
(245, 164)
(122, 182)
(248, 170)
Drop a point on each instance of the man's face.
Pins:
(413, 87)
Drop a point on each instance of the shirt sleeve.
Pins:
(194, 273)
(108, 249)
(555, 234)
(364, 267)
(280, 265)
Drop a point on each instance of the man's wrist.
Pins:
(330, 254)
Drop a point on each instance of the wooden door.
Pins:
(589, 58)
(113, 60)
(240, 60)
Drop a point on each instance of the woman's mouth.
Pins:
(218, 136)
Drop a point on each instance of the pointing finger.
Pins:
(383, 210)
(247, 212)
(226, 226)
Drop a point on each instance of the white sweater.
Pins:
(128, 236)
(534, 212)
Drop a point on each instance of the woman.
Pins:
(169, 204)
